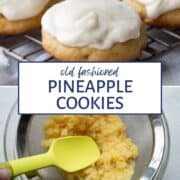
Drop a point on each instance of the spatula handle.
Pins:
(28, 164)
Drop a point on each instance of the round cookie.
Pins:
(126, 51)
(22, 26)
(168, 19)
(82, 30)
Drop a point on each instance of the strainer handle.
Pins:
(28, 164)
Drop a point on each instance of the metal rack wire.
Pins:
(28, 47)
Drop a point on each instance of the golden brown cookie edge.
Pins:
(127, 51)
(22, 26)
(169, 19)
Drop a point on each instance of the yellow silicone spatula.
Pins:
(69, 154)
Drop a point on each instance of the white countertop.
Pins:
(171, 105)
(8, 70)
(8, 96)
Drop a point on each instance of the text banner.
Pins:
(89, 88)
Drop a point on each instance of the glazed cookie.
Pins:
(18, 16)
(160, 13)
(77, 30)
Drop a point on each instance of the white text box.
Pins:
(89, 88)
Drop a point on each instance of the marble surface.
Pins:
(8, 96)
(8, 70)
(171, 106)
(170, 68)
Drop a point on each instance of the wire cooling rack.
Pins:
(28, 47)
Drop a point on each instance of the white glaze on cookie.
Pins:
(14, 10)
(155, 8)
(95, 23)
